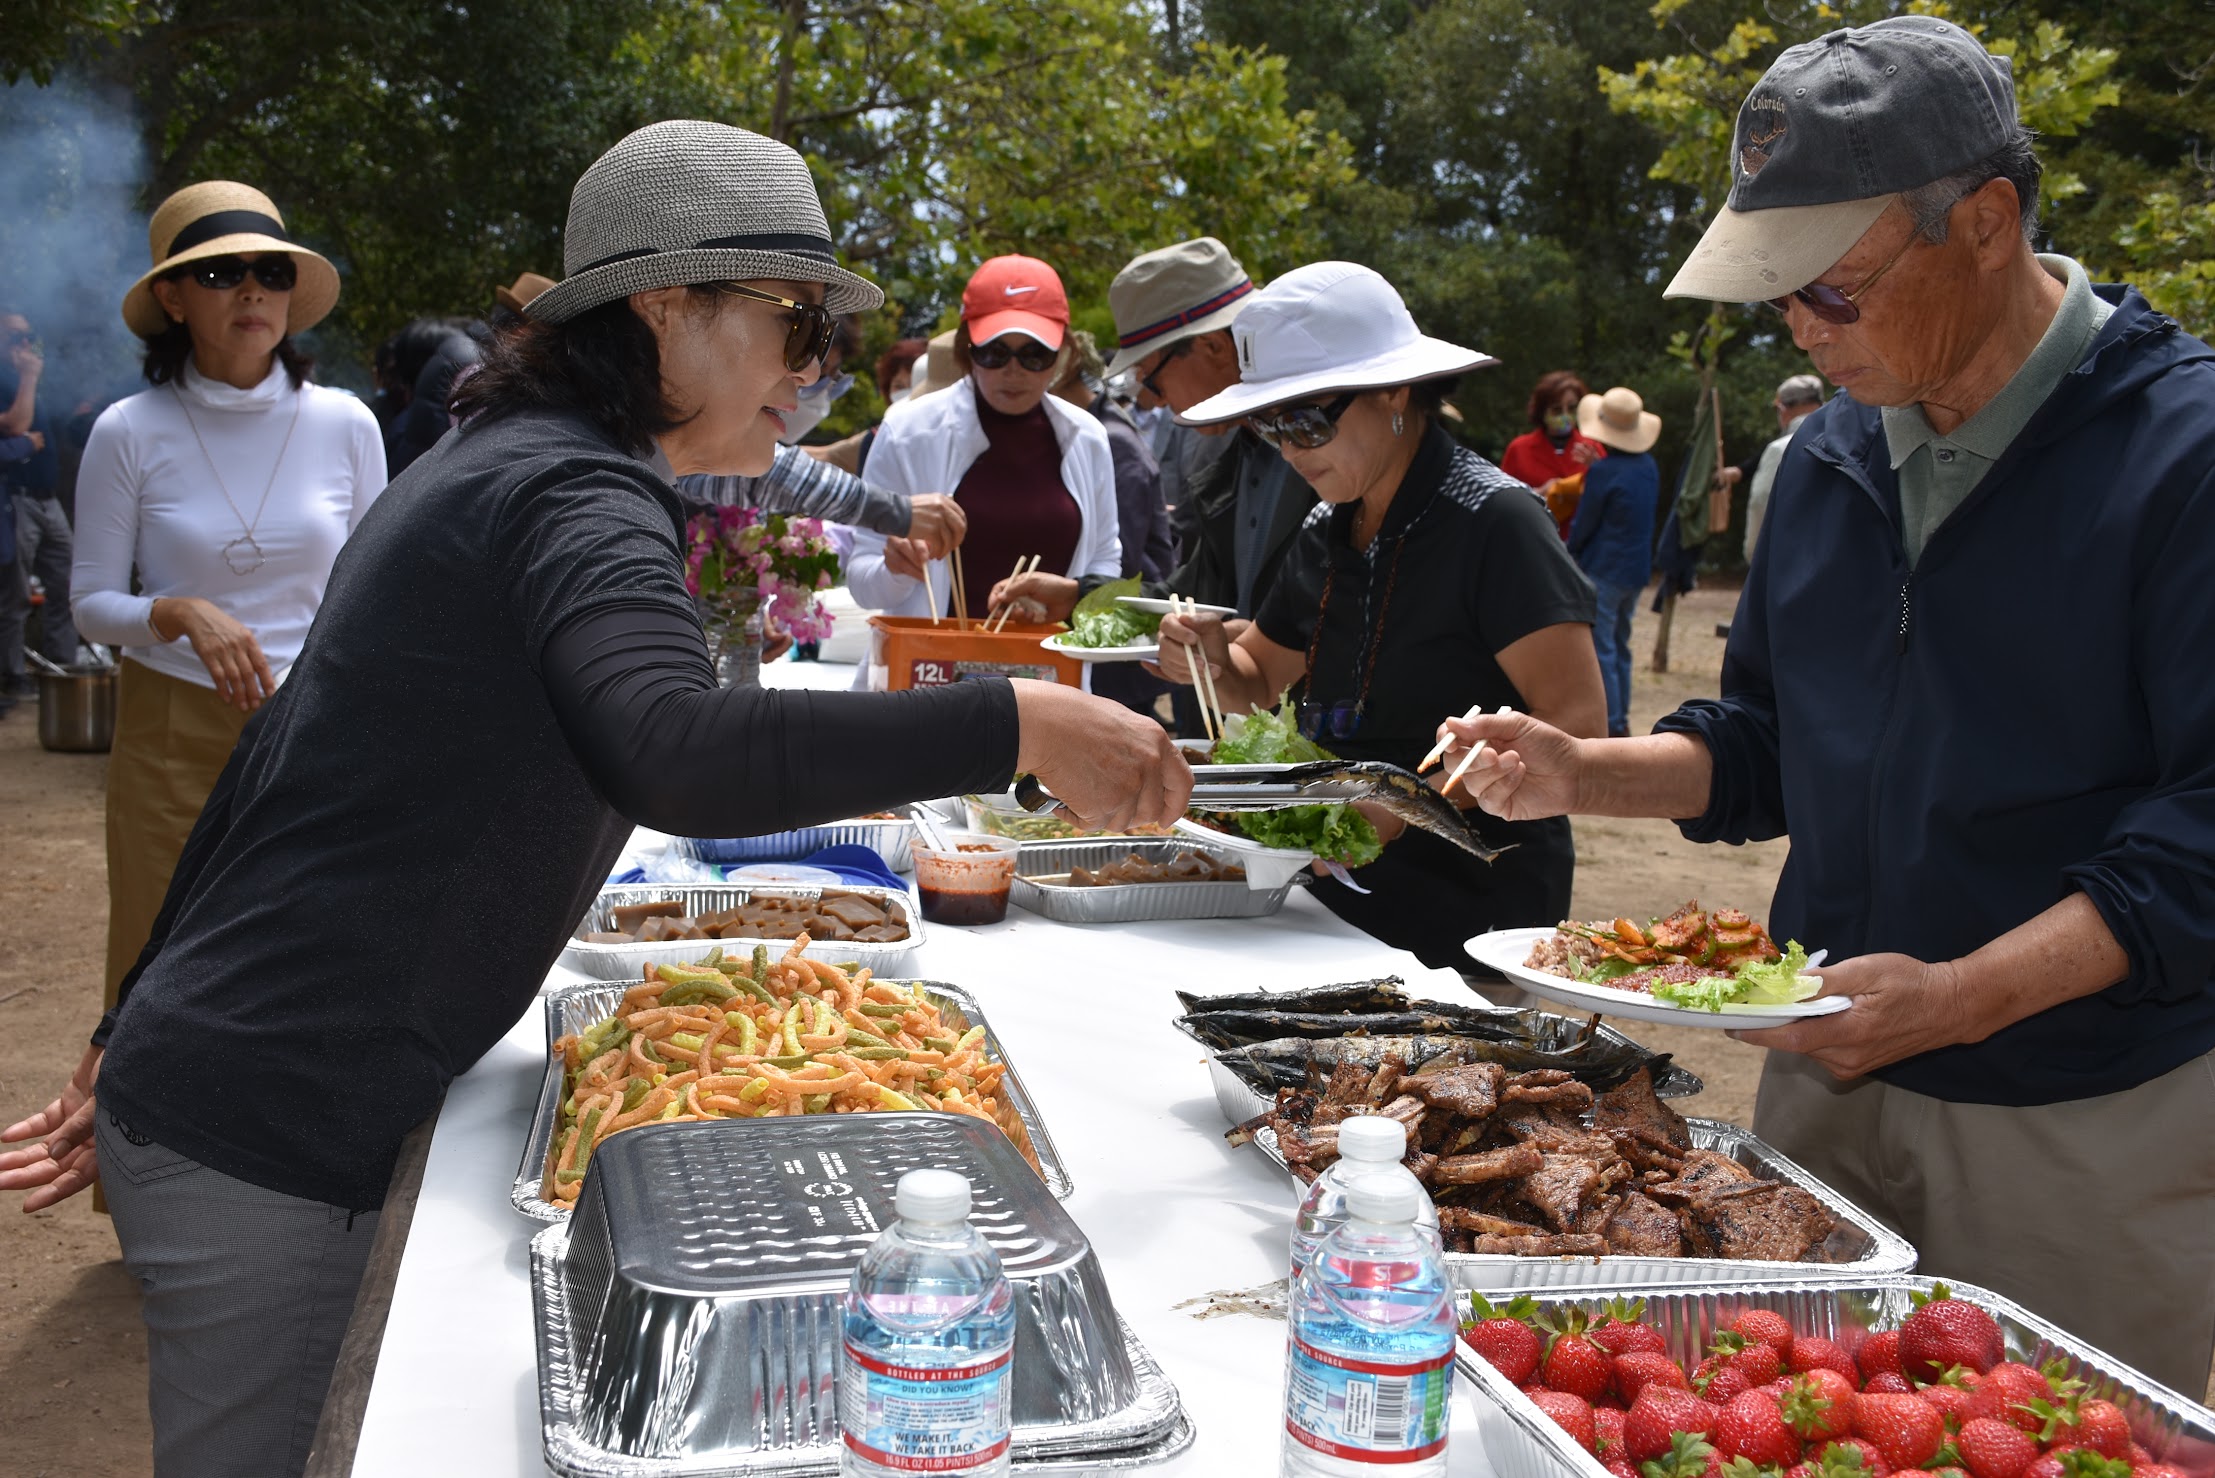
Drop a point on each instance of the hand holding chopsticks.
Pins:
(1471, 757)
(1023, 567)
(1201, 669)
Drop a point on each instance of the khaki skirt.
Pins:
(172, 739)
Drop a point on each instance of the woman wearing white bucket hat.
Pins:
(1427, 583)
(506, 675)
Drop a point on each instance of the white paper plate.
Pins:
(1505, 950)
(1147, 652)
(1154, 606)
(1266, 867)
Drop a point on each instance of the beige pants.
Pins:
(172, 739)
(2098, 1214)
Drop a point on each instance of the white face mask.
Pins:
(815, 404)
(898, 395)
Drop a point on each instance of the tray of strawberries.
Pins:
(1897, 1376)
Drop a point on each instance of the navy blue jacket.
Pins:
(1612, 535)
(2031, 713)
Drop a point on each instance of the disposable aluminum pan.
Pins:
(688, 1315)
(888, 837)
(631, 961)
(1860, 1245)
(1128, 903)
(575, 1007)
(1522, 1443)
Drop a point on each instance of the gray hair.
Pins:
(1801, 390)
(2015, 161)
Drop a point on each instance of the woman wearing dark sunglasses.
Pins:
(226, 492)
(1427, 583)
(506, 676)
(1034, 473)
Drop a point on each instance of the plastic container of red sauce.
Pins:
(967, 881)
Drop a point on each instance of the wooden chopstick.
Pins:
(930, 593)
(1438, 750)
(1471, 757)
(1203, 681)
(1023, 567)
(961, 593)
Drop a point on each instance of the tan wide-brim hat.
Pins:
(527, 286)
(218, 218)
(940, 368)
(1619, 419)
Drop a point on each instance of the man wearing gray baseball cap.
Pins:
(1969, 680)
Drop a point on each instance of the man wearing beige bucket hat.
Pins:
(1968, 679)
(1611, 536)
(507, 675)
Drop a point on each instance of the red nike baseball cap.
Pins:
(1015, 295)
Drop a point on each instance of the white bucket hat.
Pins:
(684, 202)
(1618, 419)
(1326, 327)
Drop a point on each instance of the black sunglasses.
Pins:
(1033, 356)
(1149, 381)
(1307, 426)
(1834, 306)
(813, 326)
(220, 274)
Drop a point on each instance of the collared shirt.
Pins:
(1261, 476)
(1937, 473)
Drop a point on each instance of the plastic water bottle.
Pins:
(1367, 1145)
(924, 1372)
(1370, 1362)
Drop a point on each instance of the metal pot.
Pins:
(76, 710)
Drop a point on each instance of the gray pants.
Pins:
(45, 549)
(246, 1297)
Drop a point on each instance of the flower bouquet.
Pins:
(752, 570)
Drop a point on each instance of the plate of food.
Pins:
(1694, 968)
(1071, 644)
(1102, 629)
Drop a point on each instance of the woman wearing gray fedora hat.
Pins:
(507, 674)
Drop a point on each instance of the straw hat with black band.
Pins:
(690, 202)
(221, 218)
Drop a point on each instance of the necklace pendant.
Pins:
(243, 555)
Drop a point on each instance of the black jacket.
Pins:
(1207, 570)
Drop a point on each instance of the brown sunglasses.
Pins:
(1834, 306)
(813, 326)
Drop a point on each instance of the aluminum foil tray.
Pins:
(573, 1008)
(688, 1315)
(631, 961)
(1129, 903)
(1522, 1443)
(887, 837)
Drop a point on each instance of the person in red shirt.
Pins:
(1553, 454)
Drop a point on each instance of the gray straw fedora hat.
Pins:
(686, 201)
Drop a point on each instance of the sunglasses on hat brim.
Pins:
(813, 325)
(1305, 426)
(995, 354)
(277, 272)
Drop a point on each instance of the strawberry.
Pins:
(2101, 1426)
(1904, 1429)
(2007, 1391)
(1573, 1414)
(1640, 1368)
(1624, 1330)
(1759, 1361)
(1820, 1405)
(1724, 1385)
(1944, 1331)
(1848, 1457)
(2139, 1457)
(1888, 1383)
(1687, 1456)
(1658, 1415)
(1504, 1336)
(1619, 1467)
(1753, 1427)
(1764, 1327)
(1952, 1403)
(1812, 1352)
(1607, 1431)
(2157, 1470)
(1879, 1353)
(1572, 1362)
(1914, 1473)
(1991, 1448)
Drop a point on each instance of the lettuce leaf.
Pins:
(1769, 983)
(1338, 834)
(1101, 620)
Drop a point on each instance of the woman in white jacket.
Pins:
(1032, 473)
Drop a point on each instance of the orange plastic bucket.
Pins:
(920, 654)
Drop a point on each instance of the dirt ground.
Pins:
(72, 1354)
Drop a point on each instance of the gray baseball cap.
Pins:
(1836, 128)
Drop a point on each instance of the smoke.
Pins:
(72, 234)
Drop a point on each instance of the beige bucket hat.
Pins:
(217, 218)
(1179, 292)
(1619, 419)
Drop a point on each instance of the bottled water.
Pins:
(1370, 1361)
(924, 1379)
(1367, 1145)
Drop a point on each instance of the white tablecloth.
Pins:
(1084, 1013)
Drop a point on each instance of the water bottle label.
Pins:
(1375, 1411)
(925, 1418)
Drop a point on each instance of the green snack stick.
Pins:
(761, 966)
(815, 1103)
(881, 1008)
(713, 958)
(634, 1095)
(586, 1130)
(866, 1039)
(946, 1045)
(879, 1054)
(788, 1061)
(568, 1177)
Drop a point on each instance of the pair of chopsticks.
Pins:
(1203, 679)
(1438, 750)
(1022, 567)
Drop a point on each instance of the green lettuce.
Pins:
(1767, 983)
(1101, 620)
(1338, 834)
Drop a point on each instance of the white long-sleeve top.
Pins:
(925, 446)
(147, 497)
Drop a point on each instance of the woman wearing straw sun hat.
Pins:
(506, 675)
(1427, 583)
(1612, 535)
(227, 489)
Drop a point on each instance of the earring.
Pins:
(1396, 426)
